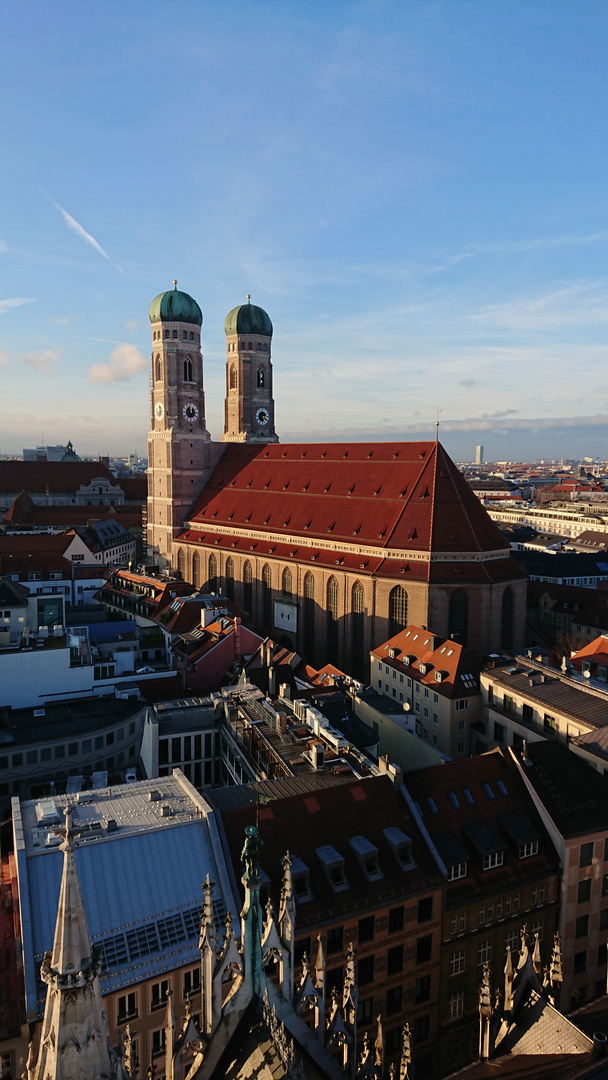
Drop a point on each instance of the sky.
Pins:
(415, 192)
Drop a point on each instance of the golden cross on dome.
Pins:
(175, 283)
(248, 298)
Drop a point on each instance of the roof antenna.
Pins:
(437, 425)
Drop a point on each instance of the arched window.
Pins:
(248, 587)
(458, 616)
(250, 347)
(332, 618)
(175, 333)
(212, 576)
(233, 376)
(167, 334)
(397, 610)
(266, 595)
(357, 607)
(191, 336)
(309, 615)
(230, 577)
(159, 368)
(187, 369)
(286, 583)
(196, 570)
(506, 620)
(260, 376)
(181, 563)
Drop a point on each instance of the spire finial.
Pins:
(248, 298)
(437, 425)
(175, 283)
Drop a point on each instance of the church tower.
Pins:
(179, 445)
(249, 408)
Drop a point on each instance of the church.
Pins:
(330, 548)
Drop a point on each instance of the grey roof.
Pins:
(140, 883)
(234, 797)
(519, 828)
(556, 692)
(450, 849)
(483, 837)
(574, 793)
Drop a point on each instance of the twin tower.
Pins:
(181, 455)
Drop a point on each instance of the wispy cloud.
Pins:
(123, 362)
(578, 302)
(4, 357)
(81, 232)
(16, 301)
(59, 320)
(473, 423)
(43, 362)
(521, 247)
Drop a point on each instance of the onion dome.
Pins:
(70, 454)
(248, 319)
(175, 306)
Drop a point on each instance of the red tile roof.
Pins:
(37, 476)
(458, 666)
(383, 495)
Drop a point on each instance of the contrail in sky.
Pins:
(77, 228)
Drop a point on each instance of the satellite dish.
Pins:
(586, 674)
(406, 706)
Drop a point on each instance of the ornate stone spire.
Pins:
(536, 957)
(485, 1014)
(74, 1040)
(406, 1053)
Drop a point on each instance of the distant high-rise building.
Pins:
(479, 455)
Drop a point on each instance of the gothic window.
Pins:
(332, 618)
(266, 595)
(230, 577)
(458, 616)
(175, 333)
(250, 347)
(212, 577)
(196, 570)
(168, 454)
(248, 587)
(506, 620)
(159, 369)
(287, 581)
(233, 376)
(166, 333)
(357, 606)
(397, 610)
(260, 375)
(191, 336)
(187, 369)
(309, 615)
(181, 562)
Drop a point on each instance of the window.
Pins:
(484, 952)
(606, 850)
(456, 1005)
(457, 962)
(580, 962)
(604, 919)
(499, 733)
(127, 1008)
(425, 909)
(586, 855)
(366, 928)
(309, 615)
(458, 923)
(584, 891)
(188, 370)
(335, 939)
(192, 982)
(365, 970)
(394, 1000)
(158, 1037)
(332, 618)
(458, 616)
(6, 1066)
(528, 849)
(230, 577)
(286, 581)
(490, 862)
(422, 989)
(549, 722)
(394, 960)
(159, 994)
(424, 949)
(506, 620)
(581, 926)
(395, 919)
(397, 610)
(365, 1011)
(461, 704)
(458, 870)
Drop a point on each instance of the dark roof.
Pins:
(574, 793)
(333, 816)
(463, 804)
(385, 495)
(563, 563)
(12, 594)
(57, 476)
(553, 691)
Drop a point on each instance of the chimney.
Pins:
(237, 637)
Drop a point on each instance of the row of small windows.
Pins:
(233, 377)
(156, 336)
(249, 347)
(158, 372)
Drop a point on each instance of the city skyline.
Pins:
(414, 194)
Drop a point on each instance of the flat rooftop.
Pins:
(551, 689)
(65, 719)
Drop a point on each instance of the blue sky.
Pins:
(416, 193)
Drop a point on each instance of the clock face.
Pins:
(159, 411)
(262, 416)
(190, 411)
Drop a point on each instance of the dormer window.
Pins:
(457, 871)
(333, 865)
(422, 668)
(367, 856)
(300, 877)
(494, 859)
(400, 845)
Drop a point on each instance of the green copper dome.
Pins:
(175, 306)
(248, 319)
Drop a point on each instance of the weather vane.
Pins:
(437, 425)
